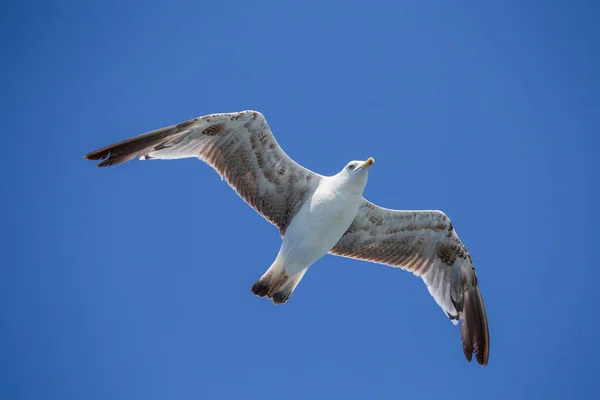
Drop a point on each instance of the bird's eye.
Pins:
(351, 167)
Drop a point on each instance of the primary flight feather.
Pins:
(319, 214)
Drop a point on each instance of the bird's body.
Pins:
(320, 223)
(318, 226)
(317, 214)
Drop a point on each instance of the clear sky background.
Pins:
(133, 282)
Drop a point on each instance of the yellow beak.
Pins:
(368, 163)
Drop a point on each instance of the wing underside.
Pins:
(240, 147)
(426, 244)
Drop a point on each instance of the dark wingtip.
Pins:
(107, 158)
(474, 328)
(96, 155)
(128, 149)
(103, 155)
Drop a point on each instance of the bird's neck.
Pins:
(344, 184)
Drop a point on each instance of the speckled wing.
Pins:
(241, 148)
(425, 243)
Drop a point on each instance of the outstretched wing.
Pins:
(425, 243)
(240, 147)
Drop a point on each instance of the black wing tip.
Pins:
(108, 159)
(480, 357)
(104, 157)
(474, 328)
(468, 352)
(96, 155)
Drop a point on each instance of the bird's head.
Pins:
(355, 173)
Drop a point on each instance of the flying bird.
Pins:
(319, 214)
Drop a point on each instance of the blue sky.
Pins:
(133, 282)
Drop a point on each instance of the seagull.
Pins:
(317, 214)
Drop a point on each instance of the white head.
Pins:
(355, 174)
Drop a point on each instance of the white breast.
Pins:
(319, 225)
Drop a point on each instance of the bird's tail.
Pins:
(277, 284)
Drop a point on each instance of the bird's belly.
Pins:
(317, 227)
